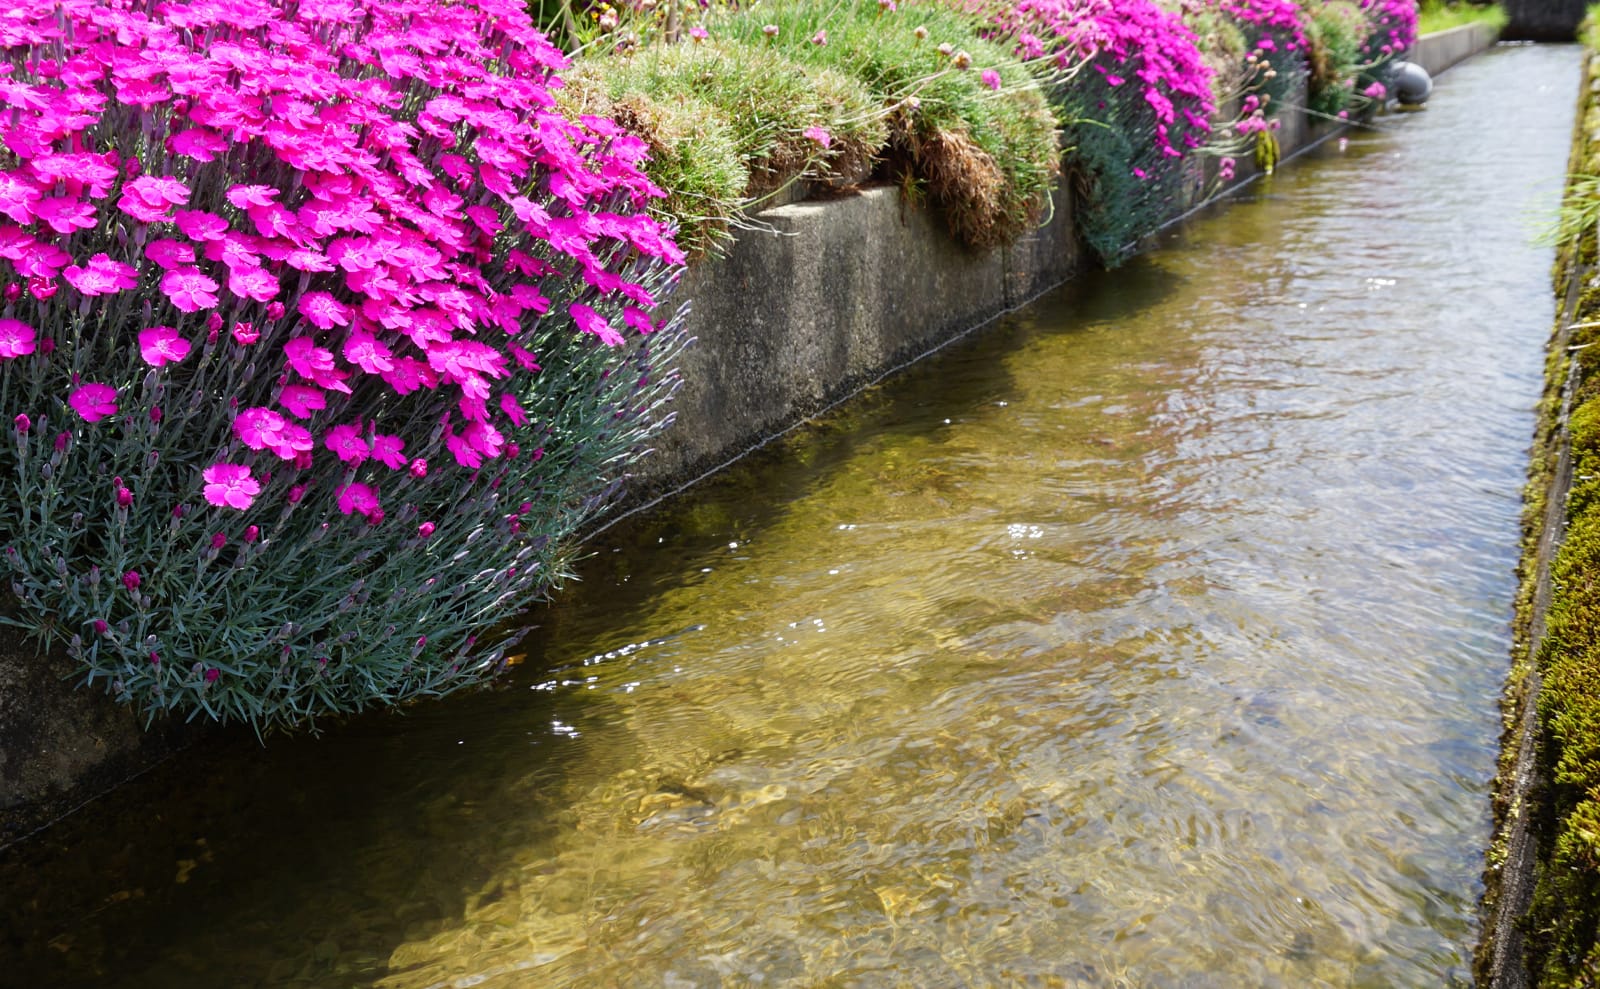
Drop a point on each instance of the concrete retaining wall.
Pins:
(1438, 51)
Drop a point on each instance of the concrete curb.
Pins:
(1439, 51)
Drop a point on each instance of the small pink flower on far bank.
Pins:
(93, 401)
(991, 78)
(230, 486)
(161, 345)
(698, 33)
(17, 338)
(820, 38)
(819, 135)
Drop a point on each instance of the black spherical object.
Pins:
(1412, 84)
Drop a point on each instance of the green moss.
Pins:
(1562, 926)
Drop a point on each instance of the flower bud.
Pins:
(23, 424)
(131, 579)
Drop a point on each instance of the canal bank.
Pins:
(1152, 637)
(1542, 899)
(817, 301)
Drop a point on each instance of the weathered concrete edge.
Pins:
(1503, 961)
(1510, 883)
(1439, 51)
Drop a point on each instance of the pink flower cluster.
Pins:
(1395, 22)
(1126, 42)
(1275, 24)
(371, 194)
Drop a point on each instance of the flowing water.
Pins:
(1152, 637)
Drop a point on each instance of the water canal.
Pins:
(1150, 638)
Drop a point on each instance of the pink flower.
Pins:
(103, 276)
(346, 443)
(513, 410)
(251, 533)
(213, 674)
(16, 338)
(698, 33)
(302, 400)
(819, 135)
(388, 450)
(246, 196)
(65, 214)
(200, 225)
(419, 468)
(357, 498)
(323, 310)
(292, 442)
(23, 423)
(218, 540)
(42, 288)
(93, 401)
(590, 321)
(150, 198)
(991, 78)
(246, 333)
(252, 283)
(425, 529)
(169, 254)
(189, 289)
(131, 580)
(230, 486)
(820, 38)
(161, 345)
(365, 351)
(258, 427)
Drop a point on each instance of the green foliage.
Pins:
(987, 153)
(1442, 15)
(833, 93)
(1334, 32)
(307, 612)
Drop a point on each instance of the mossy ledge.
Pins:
(1541, 904)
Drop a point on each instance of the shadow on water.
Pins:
(1148, 636)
